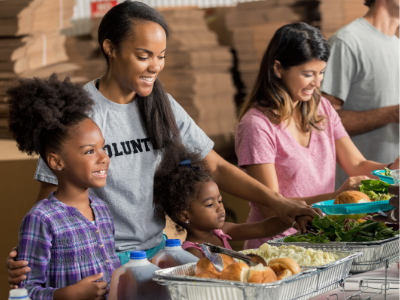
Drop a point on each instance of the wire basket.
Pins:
(374, 253)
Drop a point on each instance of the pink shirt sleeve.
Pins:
(255, 139)
(338, 129)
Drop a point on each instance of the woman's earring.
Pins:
(187, 222)
(59, 169)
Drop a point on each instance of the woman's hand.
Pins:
(392, 215)
(352, 183)
(89, 288)
(16, 269)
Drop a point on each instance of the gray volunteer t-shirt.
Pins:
(129, 189)
(363, 71)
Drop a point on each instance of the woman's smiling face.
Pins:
(140, 58)
(302, 80)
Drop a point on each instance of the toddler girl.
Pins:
(68, 238)
(185, 190)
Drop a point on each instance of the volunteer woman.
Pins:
(290, 138)
(138, 118)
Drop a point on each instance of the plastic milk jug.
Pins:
(173, 255)
(21, 294)
(133, 281)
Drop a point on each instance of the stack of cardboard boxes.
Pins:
(31, 43)
(338, 13)
(85, 52)
(253, 25)
(197, 74)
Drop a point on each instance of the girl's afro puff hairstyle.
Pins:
(42, 111)
(175, 186)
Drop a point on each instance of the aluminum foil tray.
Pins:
(182, 284)
(374, 253)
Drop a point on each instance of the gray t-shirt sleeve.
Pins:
(191, 134)
(340, 70)
(43, 173)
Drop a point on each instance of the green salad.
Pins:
(344, 230)
(386, 173)
(375, 189)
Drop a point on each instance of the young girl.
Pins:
(138, 118)
(187, 192)
(289, 137)
(68, 238)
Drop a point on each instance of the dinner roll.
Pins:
(204, 265)
(349, 197)
(207, 275)
(261, 274)
(284, 263)
(235, 272)
(283, 274)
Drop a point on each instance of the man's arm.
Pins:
(357, 122)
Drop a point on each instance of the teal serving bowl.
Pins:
(328, 208)
(379, 173)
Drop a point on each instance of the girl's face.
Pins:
(140, 58)
(207, 211)
(302, 80)
(83, 159)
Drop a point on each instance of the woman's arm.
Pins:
(353, 162)
(237, 183)
(266, 174)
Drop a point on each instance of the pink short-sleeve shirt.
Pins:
(301, 171)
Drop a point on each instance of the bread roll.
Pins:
(204, 265)
(283, 274)
(349, 197)
(235, 272)
(284, 263)
(207, 275)
(227, 260)
(261, 274)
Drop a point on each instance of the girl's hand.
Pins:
(16, 269)
(89, 288)
(352, 183)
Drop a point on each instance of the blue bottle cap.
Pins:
(138, 254)
(173, 243)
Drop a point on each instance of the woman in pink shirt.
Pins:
(289, 137)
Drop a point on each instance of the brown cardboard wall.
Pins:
(18, 191)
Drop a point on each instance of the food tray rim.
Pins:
(162, 275)
(331, 244)
(329, 208)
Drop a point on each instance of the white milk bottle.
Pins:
(133, 281)
(173, 255)
(21, 294)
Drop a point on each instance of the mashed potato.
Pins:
(303, 256)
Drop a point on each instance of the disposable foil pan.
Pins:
(374, 253)
(182, 284)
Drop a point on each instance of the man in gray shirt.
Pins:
(362, 81)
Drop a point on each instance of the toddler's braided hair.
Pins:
(43, 110)
(175, 186)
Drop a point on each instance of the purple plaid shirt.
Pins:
(63, 247)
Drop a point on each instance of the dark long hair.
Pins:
(291, 45)
(156, 113)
